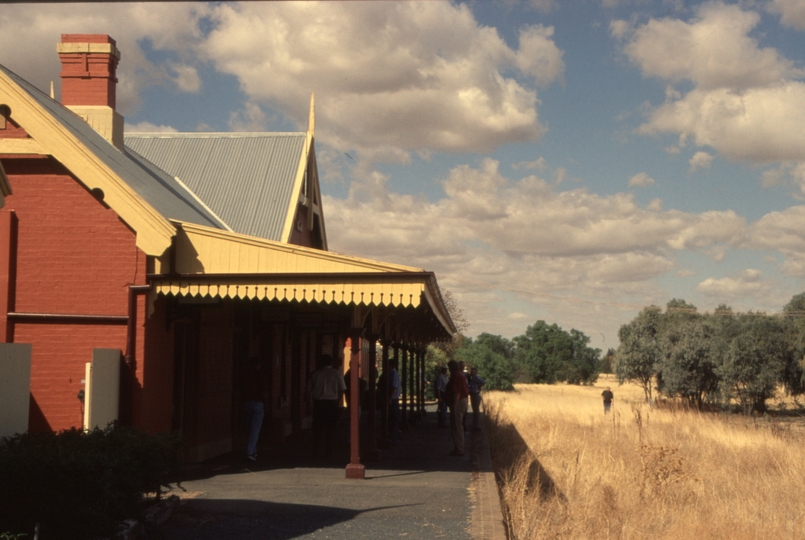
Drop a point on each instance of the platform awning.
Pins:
(217, 264)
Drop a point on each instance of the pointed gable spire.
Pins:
(311, 123)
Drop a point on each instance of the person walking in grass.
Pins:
(608, 397)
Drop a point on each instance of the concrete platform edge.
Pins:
(487, 516)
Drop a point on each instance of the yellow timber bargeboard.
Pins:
(153, 231)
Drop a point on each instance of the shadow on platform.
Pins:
(251, 520)
(422, 447)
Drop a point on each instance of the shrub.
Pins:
(80, 485)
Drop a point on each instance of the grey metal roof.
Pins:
(168, 197)
(247, 179)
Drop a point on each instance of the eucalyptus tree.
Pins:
(542, 350)
(548, 354)
(754, 360)
(690, 359)
(638, 356)
(493, 356)
(794, 321)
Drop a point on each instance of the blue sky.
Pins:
(567, 161)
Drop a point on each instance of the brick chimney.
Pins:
(89, 65)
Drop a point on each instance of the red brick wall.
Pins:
(74, 257)
(154, 415)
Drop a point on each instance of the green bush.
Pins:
(80, 485)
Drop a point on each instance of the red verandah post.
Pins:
(355, 469)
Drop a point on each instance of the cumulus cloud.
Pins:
(745, 285)
(641, 180)
(792, 12)
(387, 64)
(538, 55)
(555, 248)
(29, 34)
(539, 164)
(782, 232)
(250, 118)
(713, 50)
(543, 5)
(700, 160)
(148, 127)
(745, 101)
(185, 77)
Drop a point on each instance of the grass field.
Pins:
(566, 470)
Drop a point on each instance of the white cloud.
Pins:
(569, 253)
(743, 286)
(641, 180)
(745, 102)
(539, 164)
(386, 64)
(792, 12)
(782, 232)
(29, 34)
(148, 127)
(700, 160)
(185, 77)
(713, 51)
(538, 55)
(250, 118)
(761, 125)
(619, 28)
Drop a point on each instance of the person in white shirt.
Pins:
(441, 387)
(326, 386)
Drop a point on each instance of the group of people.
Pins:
(326, 388)
(453, 393)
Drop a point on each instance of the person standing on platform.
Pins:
(254, 393)
(457, 392)
(475, 384)
(326, 386)
(393, 393)
(441, 387)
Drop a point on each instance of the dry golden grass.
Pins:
(566, 470)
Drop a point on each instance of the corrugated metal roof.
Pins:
(247, 179)
(168, 197)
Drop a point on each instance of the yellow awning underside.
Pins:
(351, 290)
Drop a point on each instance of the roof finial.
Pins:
(311, 123)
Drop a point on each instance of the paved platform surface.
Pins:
(416, 490)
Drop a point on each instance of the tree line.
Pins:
(545, 353)
(714, 358)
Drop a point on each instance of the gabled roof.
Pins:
(248, 179)
(211, 259)
(142, 195)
